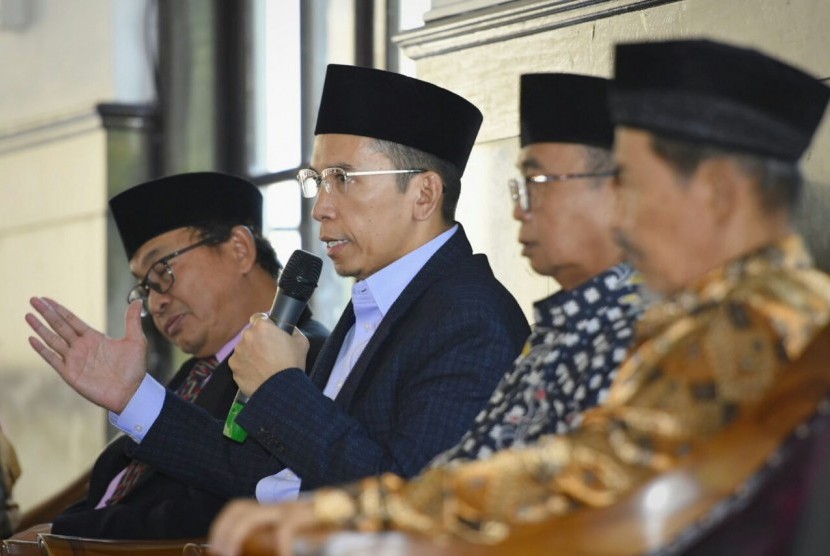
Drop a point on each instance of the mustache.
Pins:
(631, 250)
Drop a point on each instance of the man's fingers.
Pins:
(78, 326)
(256, 317)
(52, 358)
(57, 343)
(225, 529)
(133, 321)
(285, 540)
(54, 319)
(241, 520)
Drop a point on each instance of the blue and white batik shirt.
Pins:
(566, 366)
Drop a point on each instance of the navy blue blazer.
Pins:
(160, 506)
(428, 370)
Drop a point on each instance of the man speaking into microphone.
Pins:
(416, 353)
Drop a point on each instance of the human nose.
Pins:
(520, 214)
(157, 302)
(323, 205)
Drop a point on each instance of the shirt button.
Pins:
(340, 384)
(138, 428)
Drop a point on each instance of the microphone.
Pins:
(297, 282)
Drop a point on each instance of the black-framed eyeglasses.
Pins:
(520, 188)
(337, 179)
(160, 277)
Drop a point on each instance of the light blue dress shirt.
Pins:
(371, 299)
(139, 412)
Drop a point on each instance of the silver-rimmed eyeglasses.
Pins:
(520, 188)
(337, 179)
(160, 277)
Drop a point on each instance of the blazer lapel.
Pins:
(455, 249)
(331, 348)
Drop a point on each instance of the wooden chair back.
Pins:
(59, 545)
(11, 547)
(753, 470)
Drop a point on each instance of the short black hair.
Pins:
(220, 232)
(598, 159)
(410, 158)
(779, 182)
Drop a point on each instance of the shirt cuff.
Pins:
(281, 487)
(142, 410)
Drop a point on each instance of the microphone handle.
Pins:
(285, 313)
(232, 429)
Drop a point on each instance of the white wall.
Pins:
(52, 225)
(484, 63)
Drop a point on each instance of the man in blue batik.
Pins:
(564, 202)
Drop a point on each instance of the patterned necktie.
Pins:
(189, 390)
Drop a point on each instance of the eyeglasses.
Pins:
(160, 277)
(520, 188)
(337, 179)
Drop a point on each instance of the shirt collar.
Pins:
(385, 286)
(617, 286)
(226, 350)
(713, 287)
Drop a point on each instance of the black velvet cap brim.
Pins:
(158, 206)
(565, 108)
(392, 107)
(713, 93)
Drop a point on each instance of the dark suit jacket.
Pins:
(427, 371)
(160, 506)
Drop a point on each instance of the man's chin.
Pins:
(186, 346)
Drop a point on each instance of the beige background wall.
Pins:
(52, 162)
(488, 75)
(52, 224)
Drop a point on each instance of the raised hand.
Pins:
(104, 370)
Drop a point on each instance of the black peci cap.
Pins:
(392, 107)
(725, 96)
(565, 108)
(158, 206)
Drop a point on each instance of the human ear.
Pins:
(429, 191)
(243, 247)
(720, 179)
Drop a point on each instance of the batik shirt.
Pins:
(700, 358)
(566, 366)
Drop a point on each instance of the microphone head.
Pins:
(299, 277)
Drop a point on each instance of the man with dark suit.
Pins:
(416, 353)
(194, 241)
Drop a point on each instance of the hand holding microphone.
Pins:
(296, 284)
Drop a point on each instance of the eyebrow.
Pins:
(151, 255)
(342, 165)
(529, 164)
